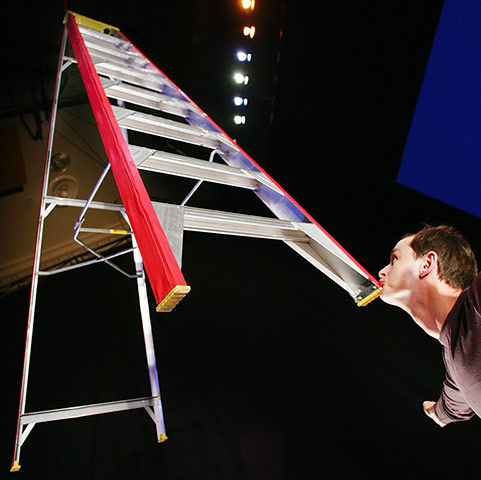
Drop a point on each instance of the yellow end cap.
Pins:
(15, 467)
(173, 298)
(91, 23)
(372, 296)
(115, 231)
(162, 438)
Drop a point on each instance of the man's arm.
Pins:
(451, 406)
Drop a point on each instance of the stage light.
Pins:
(248, 4)
(239, 101)
(239, 78)
(239, 119)
(243, 56)
(249, 31)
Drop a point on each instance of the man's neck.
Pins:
(431, 309)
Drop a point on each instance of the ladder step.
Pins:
(227, 223)
(112, 49)
(86, 410)
(151, 124)
(150, 80)
(146, 98)
(112, 39)
(117, 58)
(213, 221)
(189, 167)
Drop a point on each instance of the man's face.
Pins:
(399, 277)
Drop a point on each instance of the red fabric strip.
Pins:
(162, 269)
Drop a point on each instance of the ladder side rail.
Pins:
(337, 269)
(37, 255)
(158, 416)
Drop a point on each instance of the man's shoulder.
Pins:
(474, 294)
(464, 319)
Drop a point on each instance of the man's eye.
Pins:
(393, 258)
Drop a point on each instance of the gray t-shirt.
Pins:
(461, 340)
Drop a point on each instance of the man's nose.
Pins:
(382, 273)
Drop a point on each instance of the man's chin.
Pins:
(384, 296)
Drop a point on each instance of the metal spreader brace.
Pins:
(115, 73)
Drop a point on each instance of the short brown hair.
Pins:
(456, 260)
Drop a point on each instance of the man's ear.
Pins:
(429, 264)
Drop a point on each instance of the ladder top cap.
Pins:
(370, 298)
(91, 23)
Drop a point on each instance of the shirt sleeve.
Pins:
(452, 406)
(475, 293)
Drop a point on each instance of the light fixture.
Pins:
(243, 56)
(60, 162)
(64, 186)
(240, 78)
(248, 4)
(249, 31)
(239, 101)
(239, 119)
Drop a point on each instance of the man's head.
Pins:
(456, 261)
(433, 254)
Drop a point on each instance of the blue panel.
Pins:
(442, 157)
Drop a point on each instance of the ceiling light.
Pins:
(246, 4)
(239, 78)
(243, 56)
(249, 31)
(239, 101)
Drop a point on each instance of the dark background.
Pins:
(267, 369)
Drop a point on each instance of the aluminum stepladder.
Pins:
(128, 77)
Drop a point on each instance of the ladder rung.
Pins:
(117, 58)
(142, 122)
(112, 52)
(127, 74)
(86, 410)
(117, 42)
(180, 165)
(212, 221)
(146, 98)
(152, 80)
